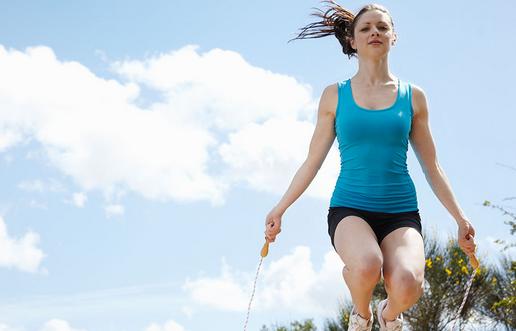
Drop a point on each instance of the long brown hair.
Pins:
(340, 22)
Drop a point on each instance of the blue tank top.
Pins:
(373, 148)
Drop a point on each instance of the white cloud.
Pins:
(38, 185)
(227, 91)
(58, 325)
(62, 325)
(37, 204)
(188, 311)
(51, 325)
(168, 326)
(5, 327)
(31, 186)
(267, 156)
(19, 253)
(9, 138)
(114, 210)
(218, 119)
(79, 198)
(290, 283)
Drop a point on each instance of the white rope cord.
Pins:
(468, 286)
(264, 252)
(254, 286)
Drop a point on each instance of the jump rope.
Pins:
(472, 260)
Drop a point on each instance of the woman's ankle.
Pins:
(367, 315)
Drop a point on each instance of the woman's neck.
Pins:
(373, 72)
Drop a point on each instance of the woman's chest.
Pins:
(356, 125)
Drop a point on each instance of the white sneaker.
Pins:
(396, 325)
(358, 323)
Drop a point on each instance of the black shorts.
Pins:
(381, 223)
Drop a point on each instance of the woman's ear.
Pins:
(395, 39)
(352, 43)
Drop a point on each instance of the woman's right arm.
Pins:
(320, 144)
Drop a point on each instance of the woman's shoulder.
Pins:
(330, 97)
(414, 87)
(331, 91)
(418, 101)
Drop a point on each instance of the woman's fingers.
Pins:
(272, 225)
(272, 231)
(270, 238)
(468, 249)
(467, 244)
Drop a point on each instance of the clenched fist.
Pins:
(273, 224)
(466, 237)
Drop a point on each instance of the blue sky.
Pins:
(142, 145)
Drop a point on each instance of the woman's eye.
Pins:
(381, 28)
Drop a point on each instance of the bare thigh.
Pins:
(404, 256)
(356, 243)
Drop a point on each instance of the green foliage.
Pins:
(511, 223)
(500, 302)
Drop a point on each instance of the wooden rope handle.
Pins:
(473, 258)
(474, 261)
(265, 248)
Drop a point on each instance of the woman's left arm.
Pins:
(424, 148)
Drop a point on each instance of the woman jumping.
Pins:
(373, 216)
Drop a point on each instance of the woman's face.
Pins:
(373, 25)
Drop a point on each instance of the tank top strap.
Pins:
(343, 100)
(406, 95)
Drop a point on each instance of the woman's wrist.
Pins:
(279, 209)
(462, 220)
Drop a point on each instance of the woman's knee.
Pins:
(367, 268)
(405, 285)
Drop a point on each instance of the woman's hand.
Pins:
(466, 234)
(273, 224)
